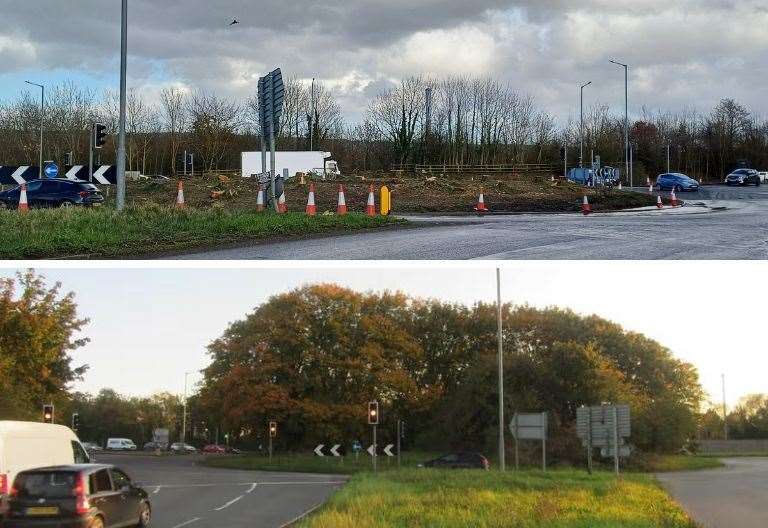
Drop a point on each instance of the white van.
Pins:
(121, 444)
(29, 445)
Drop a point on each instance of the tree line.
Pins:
(458, 120)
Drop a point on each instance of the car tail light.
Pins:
(82, 505)
(83, 194)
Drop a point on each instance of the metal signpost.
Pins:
(531, 426)
(606, 427)
(271, 96)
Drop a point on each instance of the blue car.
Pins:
(54, 193)
(677, 181)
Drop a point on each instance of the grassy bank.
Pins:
(146, 230)
(448, 499)
(650, 463)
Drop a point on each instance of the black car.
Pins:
(76, 496)
(463, 460)
(54, 193)
(743, 177)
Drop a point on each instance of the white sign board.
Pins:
(529, 426)
(599, 420)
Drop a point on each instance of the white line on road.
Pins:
(253, 487)
(217, 485)
(187, 522)
(300, 517)
(230, 503)
(157, 490)
(302, 483)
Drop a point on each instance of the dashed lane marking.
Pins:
(187, 523)
(230, 503)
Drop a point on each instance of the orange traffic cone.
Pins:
(23, 202)
(341, 208)
(480, 207)
(673, 199)
(282, 207)
(585, 207)
(180, 195)
(370, 208)
(659, 204)
(311, 207)
(260, 200)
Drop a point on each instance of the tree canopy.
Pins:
(312, 358)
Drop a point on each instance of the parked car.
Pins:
(27, 445)
(179, 447)
(676, 181)
(214, 449)
(121, 444)
(54, 193)
(79, 495)
(154, 446)
(763, 176)
(743, 177)
(92, 446)
(462, 460)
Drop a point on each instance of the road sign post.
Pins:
(616, 440)
(606, 427)
(271, 95)
(373, 421)
(532, 426)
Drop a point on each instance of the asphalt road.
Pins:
(724, 498)
(186, 494)
(718, 223)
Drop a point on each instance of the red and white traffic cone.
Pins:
(480, 207)
(650, 188)
(260, 200)
(341, 208)
(282, 207)
(311, 207)
(673, 199)
(23, 202)
(370, 208)
(659, 203)
(586, 209)
(180, 195)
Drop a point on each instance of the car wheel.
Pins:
(757, 183)
(145, 516)
(97, 522)
(66, 204)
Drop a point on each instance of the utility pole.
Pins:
(502, 461)
(581, 127)
(184, 412)
(626, 112)
(120, 195)
(725, 411)
(427, 120)
(42, 115)
(668, 148)
(312, 116)
(90, 153)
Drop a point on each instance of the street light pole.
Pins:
(502, 461)
(626, 113)
(581, 126)
(184, 412)
(120, 197)
(42, 114)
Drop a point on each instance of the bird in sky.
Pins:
(234, 21)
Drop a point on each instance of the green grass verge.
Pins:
(146, 230)
(665, 463)
(458, 499)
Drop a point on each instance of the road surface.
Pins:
(185, 494)
(718, 223)
(722, 498)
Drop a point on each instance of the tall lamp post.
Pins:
(626, 113)
(120, 195)
(502, 459)
(581, 126)
(42, 113)
(184, 412)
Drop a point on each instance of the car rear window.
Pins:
(48, 484)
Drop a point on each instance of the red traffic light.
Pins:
(272, 429)
(373, 413)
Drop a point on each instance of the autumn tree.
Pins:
(39, 329)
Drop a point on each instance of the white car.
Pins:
(121, 444)
(763, 176)
(30, 445)
(179, 447)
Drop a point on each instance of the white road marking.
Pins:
(296, 519)
(303, 483)
(218, 485)
(187, 522)
(157, 489)
(230, 503)
(253, 487)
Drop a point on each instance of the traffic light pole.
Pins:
(270, 448)
(399, 434)
(375, 451)
(90, 154)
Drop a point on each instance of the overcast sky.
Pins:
(683, 53)
(149, 326)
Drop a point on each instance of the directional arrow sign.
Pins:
(388, 450)
(372, 450)
(335, 450)
(319, 450)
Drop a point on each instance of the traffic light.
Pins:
(68, 158)
(373, 413)
(99, 135)
(48, 413)
(75, 421)
(272, 429)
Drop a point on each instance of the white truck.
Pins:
(318, 163)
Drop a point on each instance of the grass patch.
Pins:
(458, 499)
(663, 463)
(138, 231)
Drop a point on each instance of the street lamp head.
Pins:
(587, 84)
(618, 63)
